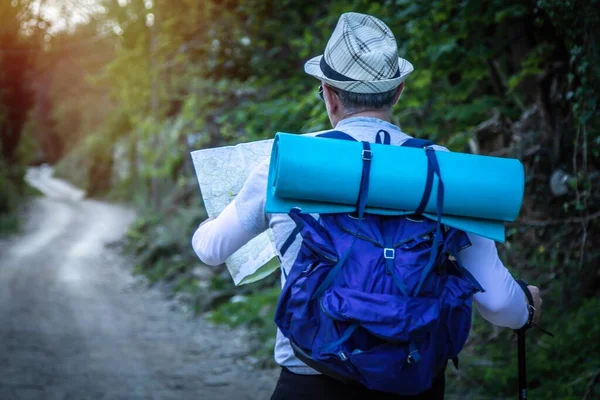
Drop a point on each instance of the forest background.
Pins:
(116, 93)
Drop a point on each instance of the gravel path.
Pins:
(75, 324)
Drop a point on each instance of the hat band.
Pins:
(336, 76)
(331, 73)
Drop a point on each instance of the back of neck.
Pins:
(382, 115)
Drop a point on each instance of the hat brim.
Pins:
(313, 68)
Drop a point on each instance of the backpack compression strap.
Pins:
(433, 168)
(422, 143)
(432, 164)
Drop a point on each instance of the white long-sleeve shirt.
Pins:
(503, 303)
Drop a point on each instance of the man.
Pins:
(362, 78)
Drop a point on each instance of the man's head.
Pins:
(360, 70)
(341, 104)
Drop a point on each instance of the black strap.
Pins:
(530, 309)
(289, 240)
(331, 73)
(530, 305)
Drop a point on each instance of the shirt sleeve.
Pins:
(503, 303)
(244, 218)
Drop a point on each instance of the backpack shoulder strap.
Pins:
(419, 143)
(387, 139)
(337, 135)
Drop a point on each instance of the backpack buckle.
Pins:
(367, 155)
(389, 254)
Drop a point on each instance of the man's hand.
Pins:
(537, 303)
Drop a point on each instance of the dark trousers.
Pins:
(292, 386)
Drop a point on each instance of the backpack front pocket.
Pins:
(388, 317)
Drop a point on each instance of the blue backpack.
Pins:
(379, 300)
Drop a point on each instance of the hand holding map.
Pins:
(221, 173)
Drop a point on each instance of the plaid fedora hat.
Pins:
(361, 57)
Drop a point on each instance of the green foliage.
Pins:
(14, 196)
(9, 197)
(532, 65)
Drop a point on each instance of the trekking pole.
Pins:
(521, 340)
(522, 365)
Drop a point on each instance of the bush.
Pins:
(9, 193)
(13, 195)
(9, 221)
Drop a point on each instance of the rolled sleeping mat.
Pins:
(321, 175)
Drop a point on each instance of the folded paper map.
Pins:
(221, 173)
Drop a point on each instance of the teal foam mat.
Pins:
(322, 175)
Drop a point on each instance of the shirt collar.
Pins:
(366, 121)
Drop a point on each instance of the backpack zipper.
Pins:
(400, 243)
(325, 311)
(375, 242)
(307, 244)
(358, 235)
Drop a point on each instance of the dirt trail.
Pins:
(75, 324)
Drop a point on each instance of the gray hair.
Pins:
(356, 102)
